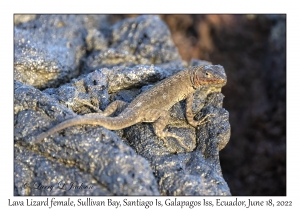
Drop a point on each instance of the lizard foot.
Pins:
(204, 120)
(90, 105)
(179, 139)
(165, 142)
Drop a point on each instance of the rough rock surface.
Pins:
(121, 61)
(141, 40)
(49, 48)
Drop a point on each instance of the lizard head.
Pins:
(208, 75)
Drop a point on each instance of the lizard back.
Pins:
(165, 93)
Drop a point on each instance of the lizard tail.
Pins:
(58, 127)
(112, 123)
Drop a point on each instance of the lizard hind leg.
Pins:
(110, 109)
(114, 106)
(161, 118)
(89, 105)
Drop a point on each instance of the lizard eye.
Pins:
(207, 74)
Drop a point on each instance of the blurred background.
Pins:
(252, 49)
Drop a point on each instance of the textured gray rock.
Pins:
(146, 37)
(49, 49)
(124, 60)
(142, 40)
(91, 89)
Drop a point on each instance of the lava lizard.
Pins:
(153, 104)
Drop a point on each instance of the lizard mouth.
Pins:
(202, 81)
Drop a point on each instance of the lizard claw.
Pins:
(204, 120)
(165, 144)
(88, 104)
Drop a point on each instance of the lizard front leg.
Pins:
(190, 115)
(161, 119)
